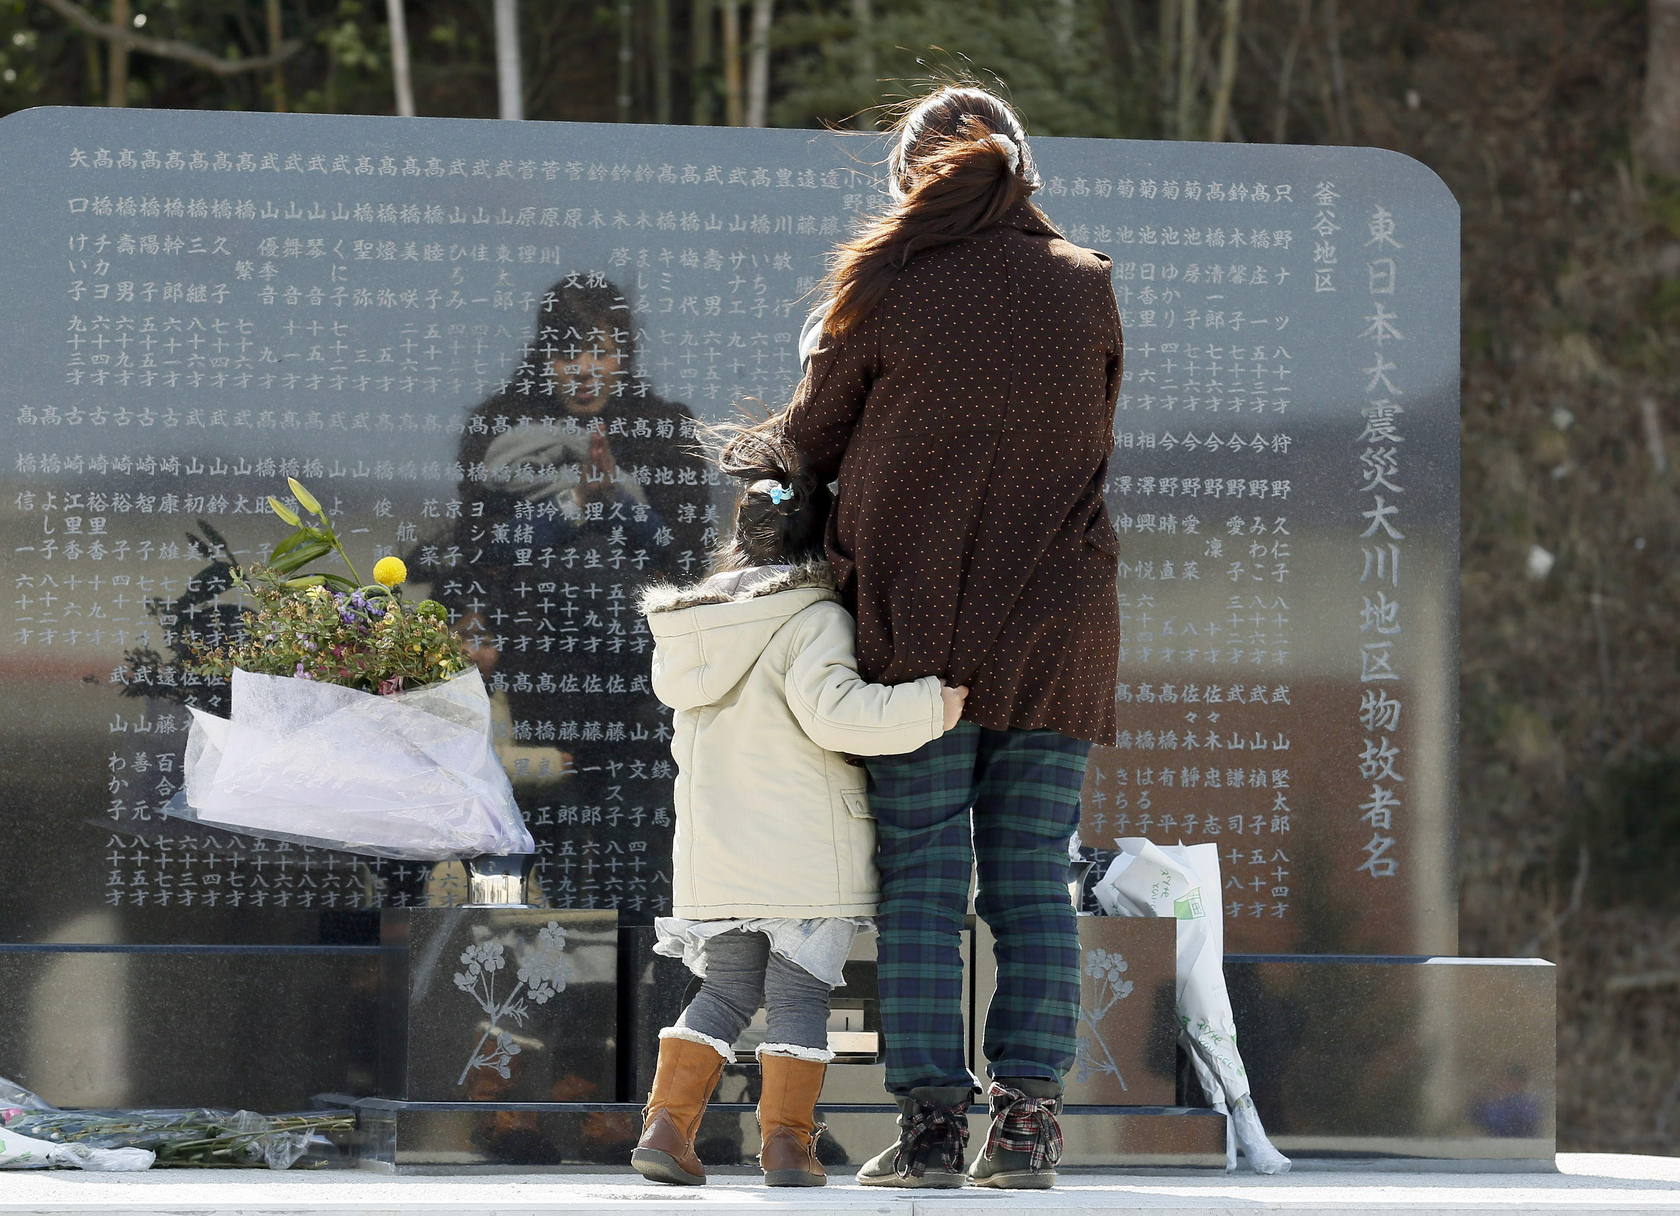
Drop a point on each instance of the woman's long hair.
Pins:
(948, 177)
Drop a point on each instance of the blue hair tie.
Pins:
(780, 494)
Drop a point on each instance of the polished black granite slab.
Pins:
(1127, 1024)
(1439, 1058)
(663, 986)
(1403, 1059)
(197, 304)
(253, 1027)
(498, 1005)
(426, 1137)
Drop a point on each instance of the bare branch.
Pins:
(123, 39)
(1642, 981)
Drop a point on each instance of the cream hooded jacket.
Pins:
(771, 820)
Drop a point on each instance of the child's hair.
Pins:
(783, 513)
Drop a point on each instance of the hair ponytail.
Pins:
(959, 163)
(782, 518)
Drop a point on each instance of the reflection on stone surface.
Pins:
(499, 1005)
(663, 986)
(431, 337)
(260, 1029)
(1452, 1058)
(1127, 1023)
(427, 1136)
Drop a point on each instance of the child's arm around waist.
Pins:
(838, 708)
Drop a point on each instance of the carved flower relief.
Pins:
(541, 974)
(1110, 967)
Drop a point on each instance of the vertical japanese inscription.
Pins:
(1380, 625)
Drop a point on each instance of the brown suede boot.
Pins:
(787, 1125)
(688, 1072)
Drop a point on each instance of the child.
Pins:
(773, 869)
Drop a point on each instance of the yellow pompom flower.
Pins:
(389, 571)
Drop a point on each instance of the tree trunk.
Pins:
(731, 11)
(1062, 20)
(1286, 76)
(1120, 33)
(758, 64)
(863, 24)
(510, 85)
(1338, 76)
(1227, 71)
(1189, 51)
(277, 83)
(400, 77)
(1659, 111)
(626, 57)
(661, 60)
(1166, 56)
(700, 74)
(116, 65)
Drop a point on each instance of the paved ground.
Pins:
(1583, 1184)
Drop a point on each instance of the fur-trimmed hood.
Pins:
(708, 635)
(732, 585)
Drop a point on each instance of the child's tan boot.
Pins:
(688, 1072)
(787, 1120)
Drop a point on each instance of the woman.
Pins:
(578, 488)
(961, 387)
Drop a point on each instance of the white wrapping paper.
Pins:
(1182, 881)
(411, 776)
(27, 1153)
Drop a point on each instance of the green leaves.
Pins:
(298, 550)
(309, 541)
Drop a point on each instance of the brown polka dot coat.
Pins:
(969, 420)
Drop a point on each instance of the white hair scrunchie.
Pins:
(1011, 151)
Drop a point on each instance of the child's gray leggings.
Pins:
(742, 974)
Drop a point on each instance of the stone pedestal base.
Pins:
(423, 1137)
(498, 1005)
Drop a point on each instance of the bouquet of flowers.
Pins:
(358, 722)
(197, 1138)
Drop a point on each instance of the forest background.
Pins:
(1555, 122)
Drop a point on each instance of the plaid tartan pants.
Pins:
(1006, 802)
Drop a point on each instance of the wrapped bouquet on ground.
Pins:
(36, 1135)
(1182, 881)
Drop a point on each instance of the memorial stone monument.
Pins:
(486, 346)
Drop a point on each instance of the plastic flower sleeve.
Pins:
(13, 1095)
(177, 1137)
(20, 1152)
(410, 776)
(1182, 881)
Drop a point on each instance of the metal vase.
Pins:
(498, 880)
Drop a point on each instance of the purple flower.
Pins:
(300, 674)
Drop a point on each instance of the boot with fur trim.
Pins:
(787, 1117)
(690, 1065)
